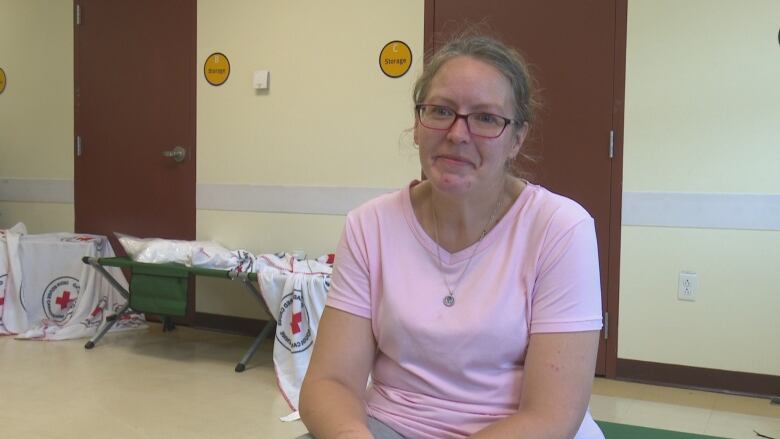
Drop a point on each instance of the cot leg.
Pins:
(255, 293)
(241, 366)
(94, 262)
(168, 324)
(110, 321)
(269, 327)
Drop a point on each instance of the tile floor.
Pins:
(692, 411)
(149, 384)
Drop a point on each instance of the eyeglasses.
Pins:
(439, 117)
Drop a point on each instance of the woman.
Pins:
(471, 298)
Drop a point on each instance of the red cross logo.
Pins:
(295, 323)
(64, 300)
(96, 311)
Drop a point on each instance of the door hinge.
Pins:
(611, 143)
(606, 325)
(78, 14)
(79, 148)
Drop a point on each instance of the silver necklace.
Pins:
(449, 299)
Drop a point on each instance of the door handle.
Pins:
(178, 153)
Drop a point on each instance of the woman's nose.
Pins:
(459, 131)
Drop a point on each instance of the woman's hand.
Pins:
(331, 399)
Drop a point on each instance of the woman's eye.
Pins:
(487, 118)
(442, 111)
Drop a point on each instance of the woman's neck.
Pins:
(460, 220)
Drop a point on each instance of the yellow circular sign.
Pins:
(2, 80)
(216, 69)
(395, 59)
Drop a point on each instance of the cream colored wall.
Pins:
(702, 112)
(36, 108)
(702, 96)
(330, 117)
(37, 217)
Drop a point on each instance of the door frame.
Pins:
(189, 139)
(616, 197)
(616, 178)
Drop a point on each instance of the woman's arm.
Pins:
(562, 349)
(557, 383)
(331, 399)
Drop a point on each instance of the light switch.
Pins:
(260, 79)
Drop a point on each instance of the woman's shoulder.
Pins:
(553, 208)
(388, 203)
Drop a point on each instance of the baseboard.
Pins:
(752, 384)
(631, 370)
(232, 324)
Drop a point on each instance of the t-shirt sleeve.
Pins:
(350, 289)
(567, 291)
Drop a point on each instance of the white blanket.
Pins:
(203, 254)
(295, 291)
(11, 319)
(59, 297)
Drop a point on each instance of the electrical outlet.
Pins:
(687, 285)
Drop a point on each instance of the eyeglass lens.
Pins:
(479, 124)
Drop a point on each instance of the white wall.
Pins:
(330, 118)
(701, 117)
(36, 108)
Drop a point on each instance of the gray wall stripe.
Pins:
(36, 191)
(661, 209)
(702, 210)
(285, 199)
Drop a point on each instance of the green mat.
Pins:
(622, 431)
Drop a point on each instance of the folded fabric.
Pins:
(158, 250)
(203, 254)
(11, 320)
(50, 294)
(295, 292)
(218, 257)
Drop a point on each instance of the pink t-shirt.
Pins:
(449, 372)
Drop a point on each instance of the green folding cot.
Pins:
(162, 289)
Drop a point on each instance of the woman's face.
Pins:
(454, 160)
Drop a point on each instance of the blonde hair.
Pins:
(507, 61)
(491, 51)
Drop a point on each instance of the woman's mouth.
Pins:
(452, 160)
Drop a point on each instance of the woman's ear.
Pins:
(519, 138)
(415, 129)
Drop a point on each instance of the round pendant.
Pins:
(449, 300)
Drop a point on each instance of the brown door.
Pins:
(135, 72)
(570, 46)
